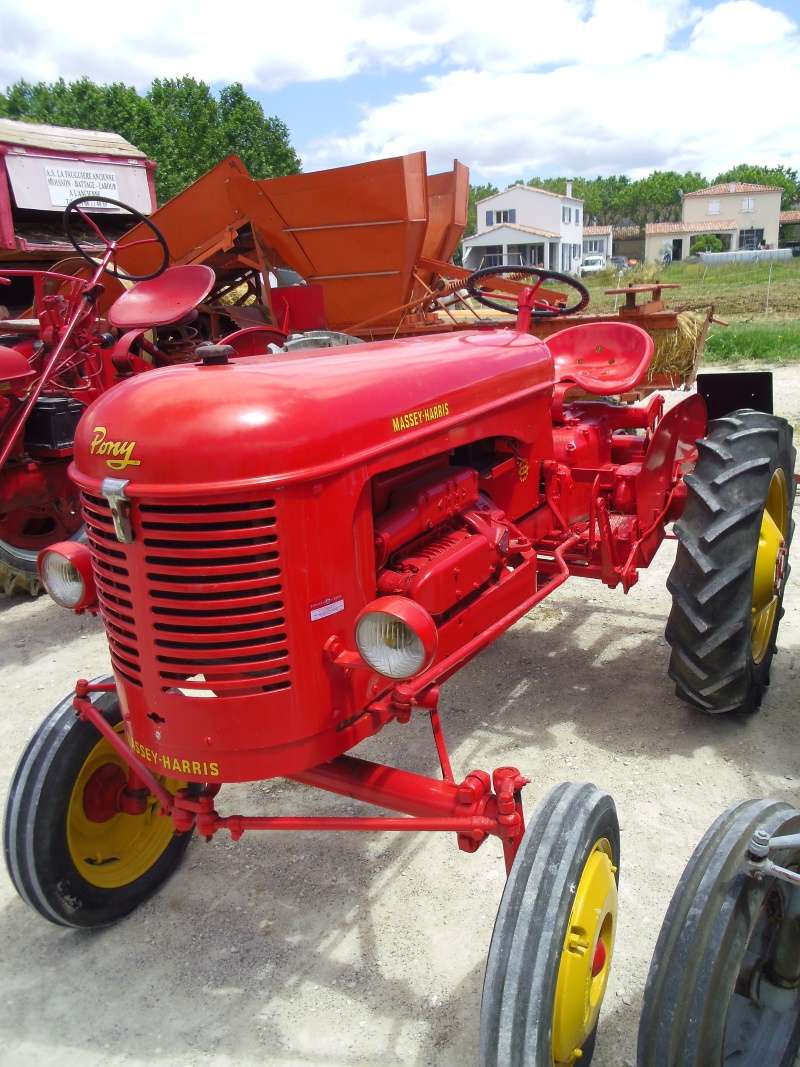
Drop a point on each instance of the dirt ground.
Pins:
(359, 950)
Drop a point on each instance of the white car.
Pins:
(593, 264)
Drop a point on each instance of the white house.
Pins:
(525, 226)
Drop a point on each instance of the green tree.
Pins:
(657, 198)
(179, 123)
(707, 242)
(784, 177)
(476, 193)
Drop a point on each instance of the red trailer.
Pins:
(43, 168)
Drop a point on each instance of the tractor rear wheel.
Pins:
(553, 939)
(71, 853)
(730, 571)
(18, 571)
(724, 982)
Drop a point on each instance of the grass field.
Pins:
(763, 311)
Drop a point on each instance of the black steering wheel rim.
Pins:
(71, 213)
(543, 275)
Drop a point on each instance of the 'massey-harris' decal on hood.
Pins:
(118, 454)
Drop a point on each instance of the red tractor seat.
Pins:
(603, 358)
(163, 300)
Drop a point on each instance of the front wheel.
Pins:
(71, 853)
(724, 983)
(553, 940)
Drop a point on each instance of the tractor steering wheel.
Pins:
(73, 211)
(542, 309)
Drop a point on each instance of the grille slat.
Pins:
(213, 579)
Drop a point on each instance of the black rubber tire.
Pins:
(689, 999)
(709, 626)
(34, 832)
(24, 560)
(522, 968)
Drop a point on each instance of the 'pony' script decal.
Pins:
(119, 454)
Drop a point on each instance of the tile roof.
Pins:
(595, 231)
(622, 232)
(512, 226)
(734, 187)
(789, 216)
(707, 226)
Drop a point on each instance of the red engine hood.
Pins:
(302, 415)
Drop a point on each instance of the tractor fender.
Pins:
(674, 442)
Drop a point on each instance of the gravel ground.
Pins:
(358, 950)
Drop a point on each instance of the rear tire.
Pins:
(542, 992)
(76, 870)
(721, 655)
(720, 926)
(18, 570)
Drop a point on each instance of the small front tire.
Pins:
(71, 856)
(553, 939)
(716, 995)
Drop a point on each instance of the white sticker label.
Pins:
(66, 183)
(331, 605)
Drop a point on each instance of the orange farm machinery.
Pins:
(292, 550)
(353, 253)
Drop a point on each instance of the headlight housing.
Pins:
(66, 572)
(396, 637)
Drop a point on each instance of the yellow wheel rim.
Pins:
(770, 564)
(113, 852)
(586, 955)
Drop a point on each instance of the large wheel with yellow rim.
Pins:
(731, 567)
(72, 854)
(553, 939)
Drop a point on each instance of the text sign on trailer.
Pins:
(67, 182)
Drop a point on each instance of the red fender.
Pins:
(673, 444)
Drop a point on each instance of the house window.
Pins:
(713, 207)
(566, 213)
(505, 216)
(492, 256)
(747, 203)
(577, 216)
(594, 244)
(490, 218)
(565, 257)
(576, 251)
(750, 238)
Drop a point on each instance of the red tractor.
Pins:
(291, 551)
(55, 364)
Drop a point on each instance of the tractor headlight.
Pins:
(396, 637)
(66, 572)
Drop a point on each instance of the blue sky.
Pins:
(555, 87)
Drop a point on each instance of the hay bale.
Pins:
(677, 352)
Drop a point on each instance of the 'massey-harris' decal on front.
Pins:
(419, 417)
(118, 454)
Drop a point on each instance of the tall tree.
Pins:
(784, 177)
(476, 193)
(179, 123)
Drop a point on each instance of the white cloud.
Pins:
(724, 93)
(585, 86)
(272, 44)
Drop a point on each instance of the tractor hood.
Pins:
(278, 418)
